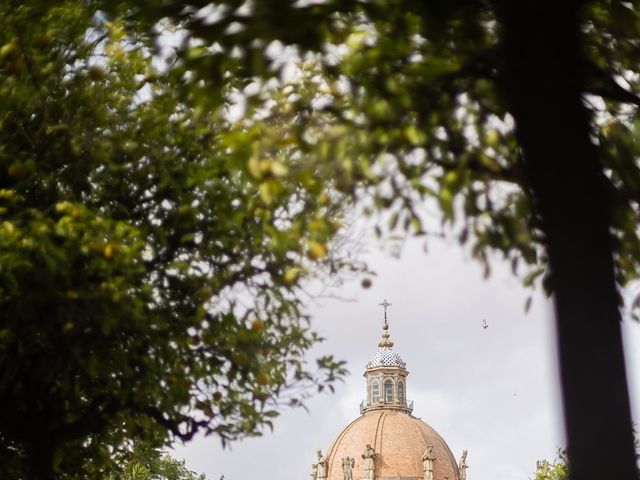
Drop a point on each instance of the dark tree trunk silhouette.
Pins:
(542, 82)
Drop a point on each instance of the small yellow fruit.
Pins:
(263, 378)
(240, 358)
(8, 50)
(317, 250)
(17, 170)
(292, 274)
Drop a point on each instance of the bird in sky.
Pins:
(484, 324)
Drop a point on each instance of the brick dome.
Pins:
(399, 440)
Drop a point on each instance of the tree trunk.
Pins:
(541, 79)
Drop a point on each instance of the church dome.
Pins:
(386, 442)
(399, 440)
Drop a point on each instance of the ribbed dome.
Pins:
(399, 441)
(385, 357)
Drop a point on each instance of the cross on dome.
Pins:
(385, 342)
(384, 305)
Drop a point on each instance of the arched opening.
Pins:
(388, 391)
(375, 391)
(401, 392)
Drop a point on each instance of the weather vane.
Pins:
(384, 305)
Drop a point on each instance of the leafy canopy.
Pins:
(151, 257)
(408, 99)
(413, 101)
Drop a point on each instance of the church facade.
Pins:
(386, 442)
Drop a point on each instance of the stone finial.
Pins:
(462, 465)
(320, 469)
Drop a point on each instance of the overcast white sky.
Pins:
(491, 391)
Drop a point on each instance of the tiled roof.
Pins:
(385, 357)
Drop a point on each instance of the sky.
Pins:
(493, 391)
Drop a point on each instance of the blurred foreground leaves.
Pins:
(151, 257)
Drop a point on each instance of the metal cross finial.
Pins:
(385, 342)
(384, 305)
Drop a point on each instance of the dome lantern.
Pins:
(386, 375)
